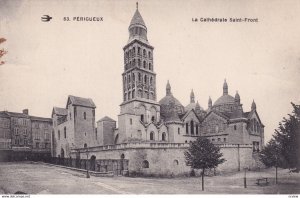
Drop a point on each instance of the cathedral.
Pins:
(153, 134)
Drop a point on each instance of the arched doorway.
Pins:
(122, 163)
(93, 163)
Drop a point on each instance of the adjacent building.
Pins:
(18, 136)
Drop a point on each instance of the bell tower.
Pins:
(139, 78)
(139, 107)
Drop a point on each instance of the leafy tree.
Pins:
(2, 51)
(283, 149)
(202, 154)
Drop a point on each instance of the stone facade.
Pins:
(153, 135)
(73, 126)
(20, 133)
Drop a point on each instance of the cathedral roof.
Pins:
(137, 19)
(225, 99)
(168, 99)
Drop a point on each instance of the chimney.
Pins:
(25, 111)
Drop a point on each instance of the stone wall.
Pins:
(167, 159)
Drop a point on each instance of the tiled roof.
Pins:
(40, 119)
(19, 115)
(106, 118)
(3, 114)
(60, 111)
(86, 102)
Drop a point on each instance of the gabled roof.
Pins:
(217, 113)
(107, 119)
(255, 112)
(59, 111)
(187, 113)
(78, 101)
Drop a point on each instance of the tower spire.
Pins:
(137, 5)
(209, 102)
(168, 89)
(192, 97)
(225, 88)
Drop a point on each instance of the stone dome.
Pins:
(169, 103)
(168, 99)
(225, 99)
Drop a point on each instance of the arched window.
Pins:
(122, 156)
(178, 130)
(197, 129)
(152, 135)
(85, 145)
(149, 54)
(129, 79)
(150, 66)
(125, 80)
(153, 119)
(187, 128)
(144, 64)
(117, 139)
(163, 136)
(129, 95)
(145, 79)
(192, 127)
(133, 93)
(65, 132)
(151, 81)
(133, 51)
(84, 115)
(234, 127)
(144, 52)
(58, 134)
(125, 96)
(133, 63)
(176, 162)
(139, 62)
(142, 117)
(133, 77)
(145, 164)
(139, 76)
(139, 50)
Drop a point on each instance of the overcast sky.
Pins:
(46, 62)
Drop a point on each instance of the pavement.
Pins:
(35, 178)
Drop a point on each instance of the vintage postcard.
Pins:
(149, 97)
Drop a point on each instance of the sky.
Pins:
(47, 61)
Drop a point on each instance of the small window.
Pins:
(130, 121)
(96, 134)
(145, 164)
(84, 133)
(224, 139)
(234, 127)
(163, 136)
(144, 64)
(187, 128)
(150, 66)
(84, 115)
(142, 117)
(153, 119)
(152, 135)
(178, 131)
(65, 132)
(185, 141)
(212, 140)
(58, 134)
(85, 145)
(175, 162)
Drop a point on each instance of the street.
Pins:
(37, 178)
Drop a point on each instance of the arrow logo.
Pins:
(46, 18)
